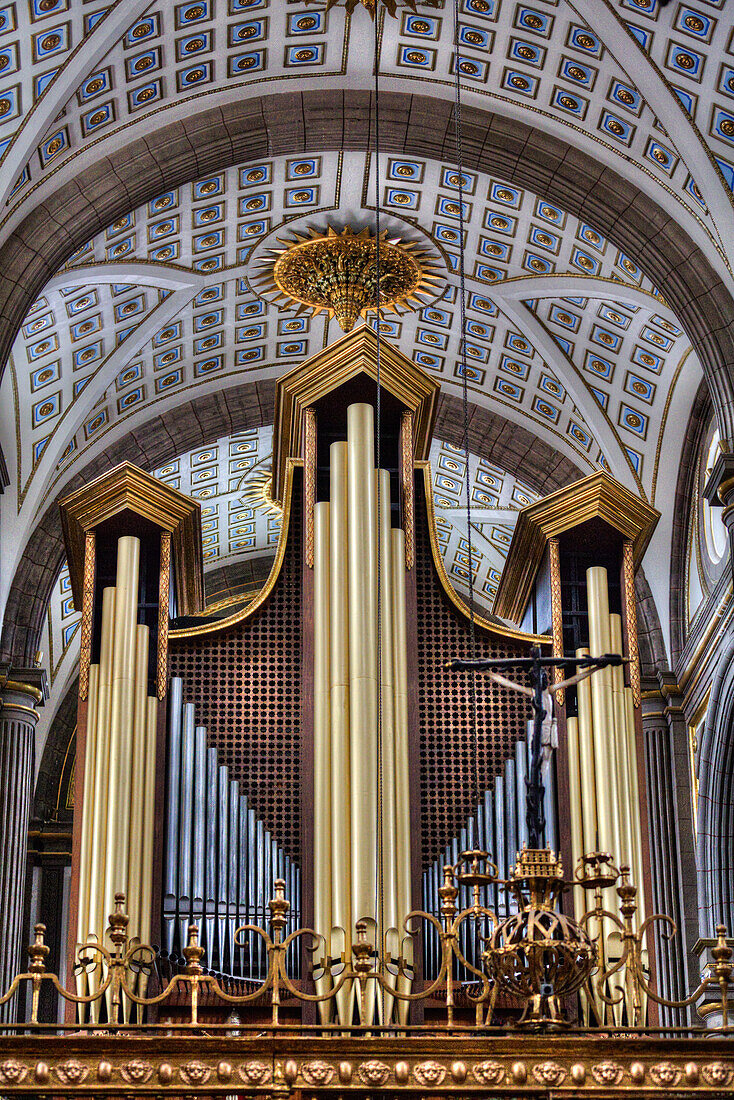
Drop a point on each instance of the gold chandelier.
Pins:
(339, 273)
(371, 5)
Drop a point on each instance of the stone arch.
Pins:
(653, 658)
(683, 516)
(59, 744)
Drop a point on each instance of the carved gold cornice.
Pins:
(598, 496)
(486, 624)
(129, 489)
(354, 354)
(202, 1065)
(267, 588)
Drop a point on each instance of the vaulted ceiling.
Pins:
(150, 155)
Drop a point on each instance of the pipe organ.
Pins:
(316, 735)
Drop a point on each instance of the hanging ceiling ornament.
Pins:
(337, 273)
(371, 5)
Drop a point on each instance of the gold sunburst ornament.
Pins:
(371, 5)
(255, 488)
(338, 273)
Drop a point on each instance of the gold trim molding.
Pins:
(499, 629)
(598, 496)
(277, 1066)
(126, 488)
(352, 355)
(257, 602)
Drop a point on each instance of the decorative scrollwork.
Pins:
(117, 972)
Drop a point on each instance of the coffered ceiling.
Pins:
(566, 336)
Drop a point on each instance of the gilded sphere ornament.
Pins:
(538, 954)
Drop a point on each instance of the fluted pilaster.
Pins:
(18, 718)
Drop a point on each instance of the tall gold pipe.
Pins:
(90, 767)
(362, 661)
(97, 915)
(341, 832)
(322, 745)
(121, 716)
(602, 708)
(388, 815)
(587, 763)
(627, 810)
(136, 808)
(607, 782)
(576, 807)
(90, 771)
(402, 761)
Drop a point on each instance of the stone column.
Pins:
(672, 853)
(21, 691)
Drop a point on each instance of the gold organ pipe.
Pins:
(322, 739)
(121, 717)
(341, 856)
(389, 885)
(97, 920)
(90, 766)
(402, 761)
(587, 762)
(91, 762)
(627, 809)
(362, 661)
(576, 799)
(139, 731)
(602, 709)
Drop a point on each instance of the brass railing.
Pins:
(537, 956)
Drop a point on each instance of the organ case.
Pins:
(265, 760)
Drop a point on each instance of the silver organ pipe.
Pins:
(199, 838)
(498, 826)
(223, 800)
(221, 861)
(186, 818)
(210, 868)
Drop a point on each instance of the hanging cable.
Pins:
(465, 403)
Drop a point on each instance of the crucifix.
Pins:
(537, 668)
